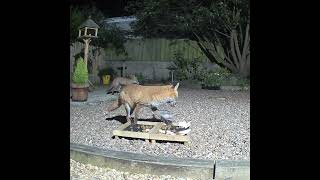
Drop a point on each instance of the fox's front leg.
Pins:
(128, 110)
(153, 109)
(136, 112)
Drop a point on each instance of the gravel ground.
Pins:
(79, 171)
(220, 125)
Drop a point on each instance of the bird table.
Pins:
(151, 131)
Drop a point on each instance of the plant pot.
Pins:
(79, 92)
(106, 79)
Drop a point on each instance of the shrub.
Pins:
(188, 69)
(212, 79)
(243, 82)
(80, 75)
(216, 78)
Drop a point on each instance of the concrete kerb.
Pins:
(144, 164)
(235, 170)
(147, 164)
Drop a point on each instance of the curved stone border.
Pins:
(231, 170)
(146, 164)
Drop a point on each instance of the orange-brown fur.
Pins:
(119, 82)
(133, 97)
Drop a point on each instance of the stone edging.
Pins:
(157, 165)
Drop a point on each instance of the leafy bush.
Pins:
(212, 79)
(224, 73)
(243, 82)
(188, 69)
(216, 78)
(80, 75)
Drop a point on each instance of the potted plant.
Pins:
(106, 74)
(79, 86)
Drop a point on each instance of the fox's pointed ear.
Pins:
(176, 87)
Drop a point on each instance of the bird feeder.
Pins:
(88, 29)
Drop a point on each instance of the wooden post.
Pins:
(171, 76)
(85, 31)
(123, 69)
(86, 50)
(96, 33)
(85, 58)
(95, 65)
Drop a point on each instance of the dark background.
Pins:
(110, 8)
(35, 93)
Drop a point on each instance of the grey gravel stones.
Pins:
(220, 123)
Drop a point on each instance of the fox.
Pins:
(135, 96)
(119, 82)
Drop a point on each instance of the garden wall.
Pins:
(152, 70)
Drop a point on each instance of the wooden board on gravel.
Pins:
(149, 131)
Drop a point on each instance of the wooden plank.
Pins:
(156, 128)
(123, 126)
(153, 134)
(118, 131)
(132, 134)
(147, 123)
(166, 137)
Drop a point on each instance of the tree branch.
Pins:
(246, 43)
(222, 33)
(235, 37)
(223, 63)
(233, 53)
